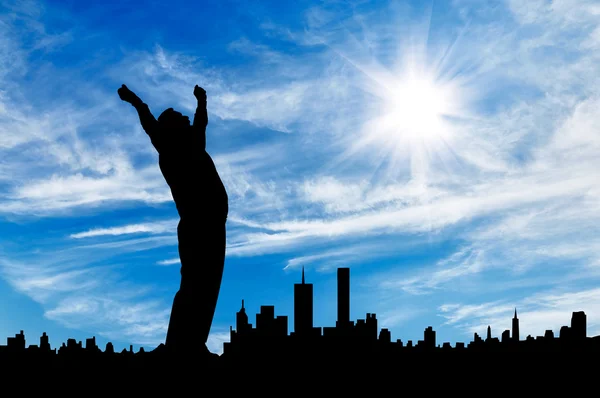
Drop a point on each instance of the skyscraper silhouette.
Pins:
(343, 297)
(303, 307)
(578, 325)
(265, 320)
(429, 337)
(515, 327)
(44, 343)
(241, 320)
(506, 336)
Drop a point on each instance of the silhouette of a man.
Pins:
(202, 204)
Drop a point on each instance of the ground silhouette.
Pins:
(202, 204)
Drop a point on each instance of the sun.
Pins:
(415, 109)
(414, 113)
(413, 119)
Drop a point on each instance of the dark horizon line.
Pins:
(72, 343)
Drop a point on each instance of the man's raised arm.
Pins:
(147, 120)
(200, 117)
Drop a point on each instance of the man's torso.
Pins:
(195, 184)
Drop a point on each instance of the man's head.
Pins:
(172, 119)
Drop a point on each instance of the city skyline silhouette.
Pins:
(269, 337)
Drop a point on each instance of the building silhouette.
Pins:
(303, 307)
(429, 337)
(17, 343)
(515, 327)
(343, 298)
(505, 338)
(578, 325)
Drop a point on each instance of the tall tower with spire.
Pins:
(489, 333)
(303, 307)
(515, 327)
(241, 320)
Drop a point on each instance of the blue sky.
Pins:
(447, 152)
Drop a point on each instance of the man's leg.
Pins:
(181, 313)
(202, 264)
(177, 338)
(209, 285)
(204, 282)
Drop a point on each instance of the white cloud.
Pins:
(169, 262)
(59, 194)
(79, 295)
(465, 262)
(397, 317)
(143, 322)
(336, 195)
(564, 13)
(152, 228)
(41, 284)
(351, 253)
(113, 248)
(215, 341)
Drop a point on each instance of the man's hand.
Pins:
(200, 94)
(127, 95)
(201, 116)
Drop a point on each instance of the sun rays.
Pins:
(412, 107)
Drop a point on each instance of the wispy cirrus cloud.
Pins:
(152, 228)
(547, 310)
(344, 256)
(90, 297)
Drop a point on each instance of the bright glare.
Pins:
(415, 111)
(413, 121)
